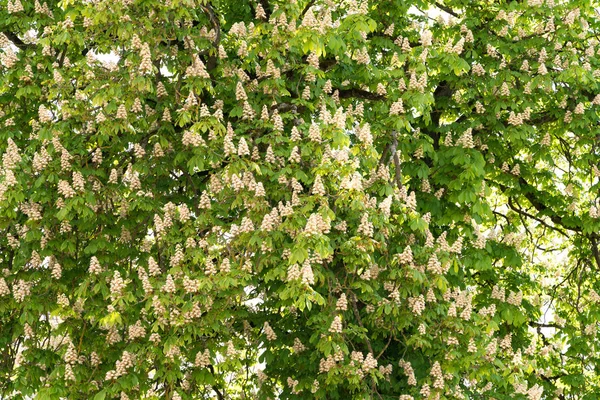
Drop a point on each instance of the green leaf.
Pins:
(101, 395)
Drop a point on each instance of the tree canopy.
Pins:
(297, 199)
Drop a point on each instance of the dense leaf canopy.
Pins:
(297, 199)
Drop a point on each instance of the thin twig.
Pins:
(359, 320)
(384, 348)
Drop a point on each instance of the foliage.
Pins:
(299, 199)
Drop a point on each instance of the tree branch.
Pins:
(214, 21)
(447, 9)
(307, 7)
(442, 91)
(16, 40)
(214, 387)
(384, 347)
(359, 320)
(529, 192)
(542, 208)
(541, 221)
(398, 168)
(595, 251)
(540, 325)
(360, 94)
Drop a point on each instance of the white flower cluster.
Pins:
(498, 293)
(426, 38)
(342, 303)
(202, 359)
(417, 304)
(169, 286)
(127, 361)
(71, 354)
(336, 325)
(14, 7)
(369, 363)
(4, 289)
(317, 225)
(515, 298)
(269, 332)
(434, 265)
(408, 371)
(488, 311)
(117, 284)
(308, 277)
(298, 346)
(466, 139)
(21, 289)
(406, 257)
(146, 63)
(364, 134)
(436, 373)
(366, 227)
(136, 330)
(397, 107)
(326, 364)
(418, 84)
(271, 220)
